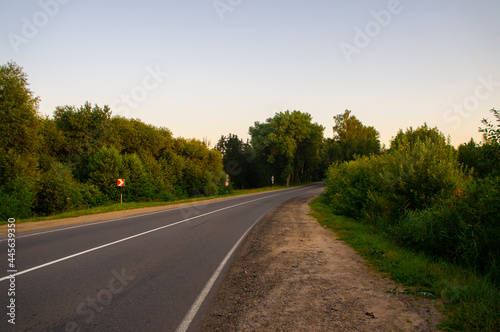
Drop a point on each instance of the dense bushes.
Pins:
(420, 195)
(73, 160)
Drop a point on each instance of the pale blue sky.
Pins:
(395, 64)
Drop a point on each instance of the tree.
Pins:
(422, 134)
(19, 124)
(351, 138)
(290, 144)
(484, 159)
(19, 142)
(105, 168)
(490, 132)
(239, 160)
(85, 130)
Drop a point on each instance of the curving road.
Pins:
(150, 272)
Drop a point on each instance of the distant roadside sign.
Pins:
(226, 184)
(121, 182)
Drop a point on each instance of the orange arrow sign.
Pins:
(121, 182)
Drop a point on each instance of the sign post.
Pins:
(227, 183)
(121, 184)
(272, 181)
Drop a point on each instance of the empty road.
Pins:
(149, 272)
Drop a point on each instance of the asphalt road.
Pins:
(149, 272)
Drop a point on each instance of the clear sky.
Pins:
(206, 68)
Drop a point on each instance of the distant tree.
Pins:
(290, 144)
(491, 132)
(484, 159)
(351, 138)
(240, 161)
(422, 134)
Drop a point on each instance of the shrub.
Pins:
(423, 199)
(57, 190)
(17, 198)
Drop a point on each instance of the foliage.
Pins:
(17, 197)
(240, 162)
(491, 133)
(351, 138)
(471, 302)
(420, 195)
(386, 186)
(464, 228)
(482, 159)
(421, 134)
(290, 145)
(85, 130)
(57, 190)
(19, 142)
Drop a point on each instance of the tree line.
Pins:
(73, 159)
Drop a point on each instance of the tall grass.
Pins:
(470, 302)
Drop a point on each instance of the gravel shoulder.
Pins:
(291, 274)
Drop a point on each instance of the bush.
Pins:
(58, 191)
(423, 199)
(105, 166)
(483, 159)
(91, 196)
(17, 198)
(387, 186)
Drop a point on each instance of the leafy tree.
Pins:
(105, 167)
(490, 132)
(484, 158)
(138, 187)
(199, 169)
(422, 134)
(19, 142)
(351, 138)
(20, 124)
(284, 140)
(134, 136)
(240, 161)
(85, 131)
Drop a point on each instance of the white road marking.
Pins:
(184, 325)
(128, 238)
(130, 217)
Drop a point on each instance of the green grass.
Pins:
(137, 205)
(469, 302)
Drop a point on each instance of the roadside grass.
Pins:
(137, 205)
(468, 301)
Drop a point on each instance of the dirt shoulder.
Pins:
(291, 274)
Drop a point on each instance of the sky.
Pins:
(206, 68)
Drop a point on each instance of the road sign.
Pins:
(121, 182)
(226, 184)
(272, 179)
